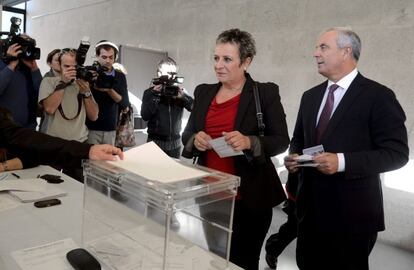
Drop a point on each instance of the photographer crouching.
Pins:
(163, 105)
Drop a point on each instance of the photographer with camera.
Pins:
(110, 92)
(20, 78)
(68, 101)
(162, 106)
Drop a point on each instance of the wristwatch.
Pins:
(86, 94)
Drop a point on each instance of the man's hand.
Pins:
(13, 51)
(201, 141)
(68, 75)
(291, 164)
(32, 64)
(156, 90)
(328, 163)
(237, 141)
(105, 152)
(83, 86)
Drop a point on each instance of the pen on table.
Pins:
(17, 176)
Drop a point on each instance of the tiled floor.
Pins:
(383, 257)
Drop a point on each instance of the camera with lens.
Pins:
(169, 84)
(94, 74)
(27, 44)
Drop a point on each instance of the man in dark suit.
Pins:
(360, 125)
(39, 148)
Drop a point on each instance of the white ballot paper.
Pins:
(35, 184)
(222, 148)
(33, 196)
(150, 162)
(306, 160)
(7, 202)
(49, 256)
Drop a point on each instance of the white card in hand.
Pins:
(222, 148)
(312, 151)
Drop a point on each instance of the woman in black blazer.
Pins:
(228, 109)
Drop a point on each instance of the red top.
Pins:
(220, 118)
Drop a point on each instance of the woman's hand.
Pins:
(237, 141)
(201, 141)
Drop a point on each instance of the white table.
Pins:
(27, 226)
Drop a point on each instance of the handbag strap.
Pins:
(259, 114)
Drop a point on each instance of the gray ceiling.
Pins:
(11, 2)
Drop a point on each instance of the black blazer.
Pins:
(368, 127)
(41, 148)
(260, 184)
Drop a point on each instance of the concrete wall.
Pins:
(285, 33)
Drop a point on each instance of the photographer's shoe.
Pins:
(271, 261)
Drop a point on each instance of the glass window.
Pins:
(21, 5)
(5, 23)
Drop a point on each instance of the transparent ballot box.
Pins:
(130, 222)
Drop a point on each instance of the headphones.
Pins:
(105, 42)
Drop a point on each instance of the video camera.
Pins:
(169, 84)
(88, 73)
(28, 45)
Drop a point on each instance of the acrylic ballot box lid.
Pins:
(131, 222)
(163, 195)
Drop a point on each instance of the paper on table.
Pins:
(7, 202)
(222, 148)
(150, 162)
(33, 196)
(4, 175)
(23, 184)
(49, 256)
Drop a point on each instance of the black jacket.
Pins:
(38, 148)
(108, 108)
(164, 114)
(260, 185)
(368, 128)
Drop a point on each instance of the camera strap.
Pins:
(259, 114)
(79, 109)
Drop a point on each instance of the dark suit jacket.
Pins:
(260, 184)
(368, 127)
(41, 148)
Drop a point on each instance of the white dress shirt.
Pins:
(339, 93)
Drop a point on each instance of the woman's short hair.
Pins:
(50, 55)
(245, 41)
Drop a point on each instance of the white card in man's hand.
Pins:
(306, 160)
(223, 149)
(303, 158)
(312, 151)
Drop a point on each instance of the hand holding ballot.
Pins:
(312, 157)
(230, 144)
